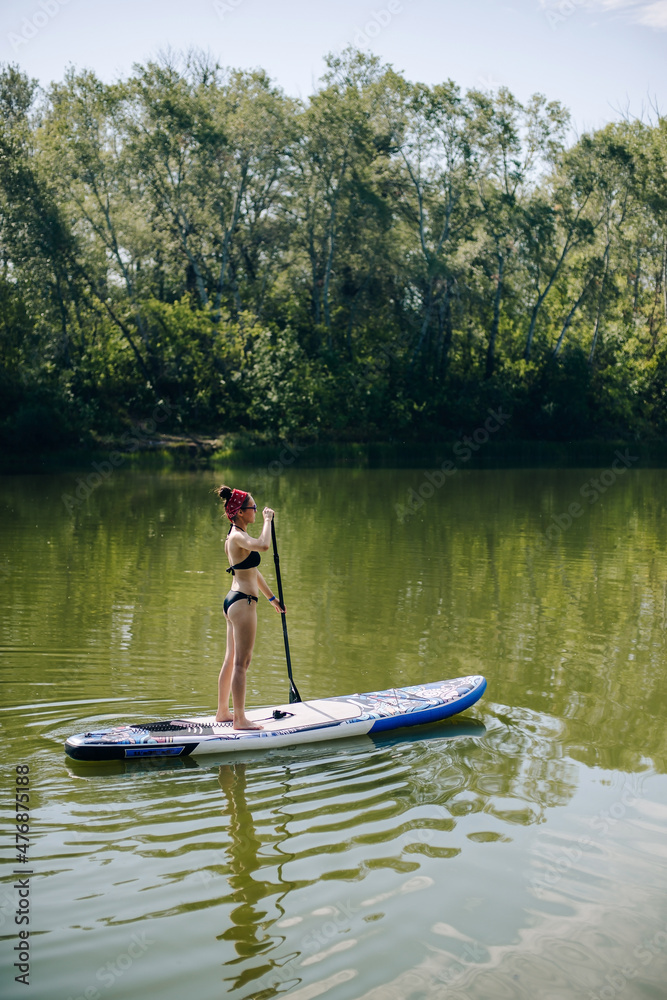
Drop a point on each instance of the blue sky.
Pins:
(599, 57)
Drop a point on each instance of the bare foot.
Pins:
(226, 718)
(246, 724)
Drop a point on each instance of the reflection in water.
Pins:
(245, 930)
(391, 810)
(462, 726)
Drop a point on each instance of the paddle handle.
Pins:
(294, 695)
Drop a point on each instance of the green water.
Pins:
(519, 851)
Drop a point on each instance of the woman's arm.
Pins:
(266, 590)
(261, 544)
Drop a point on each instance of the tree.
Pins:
(436, 150)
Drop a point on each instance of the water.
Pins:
(519, 851)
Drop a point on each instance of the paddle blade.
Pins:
(294, 695)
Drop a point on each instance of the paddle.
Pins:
(293, 693)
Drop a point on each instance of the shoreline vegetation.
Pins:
(162, 453)
(191, 256)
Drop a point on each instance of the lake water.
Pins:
(519, 851)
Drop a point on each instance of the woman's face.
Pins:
(248, 512)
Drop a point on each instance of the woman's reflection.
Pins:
(246, 929)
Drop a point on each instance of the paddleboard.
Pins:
(283, 725)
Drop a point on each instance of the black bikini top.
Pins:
(250, 561)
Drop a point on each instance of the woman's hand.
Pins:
(276, 604)
(267, 514)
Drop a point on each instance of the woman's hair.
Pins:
(232, 499)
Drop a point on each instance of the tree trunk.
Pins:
(63, 321)
(227, 240)
(531, 331)
(317, 302)
(199, 280)
(331, 238)
(425, 325)
(446, 331)
(314, 269)
(598, 314)
(353, 311)
(493, 336)
(635, 291)
(568, 320)
(570, 244)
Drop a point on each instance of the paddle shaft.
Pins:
(294, 695)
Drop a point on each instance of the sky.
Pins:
(601, 58)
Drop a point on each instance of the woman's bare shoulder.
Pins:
(240, 539)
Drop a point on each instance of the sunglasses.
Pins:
(250, 506)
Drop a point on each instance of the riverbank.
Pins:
(476, 450)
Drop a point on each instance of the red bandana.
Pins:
(234, 504)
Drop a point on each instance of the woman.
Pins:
(240, 604)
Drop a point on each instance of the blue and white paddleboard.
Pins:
(284, 725)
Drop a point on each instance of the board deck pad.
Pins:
(283, 725)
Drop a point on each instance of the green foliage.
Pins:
(384, 261)
(41, 422)
(281, 386)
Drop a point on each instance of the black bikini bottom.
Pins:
(236, 595)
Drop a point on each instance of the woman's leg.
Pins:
(225, 677)
(243, 617)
